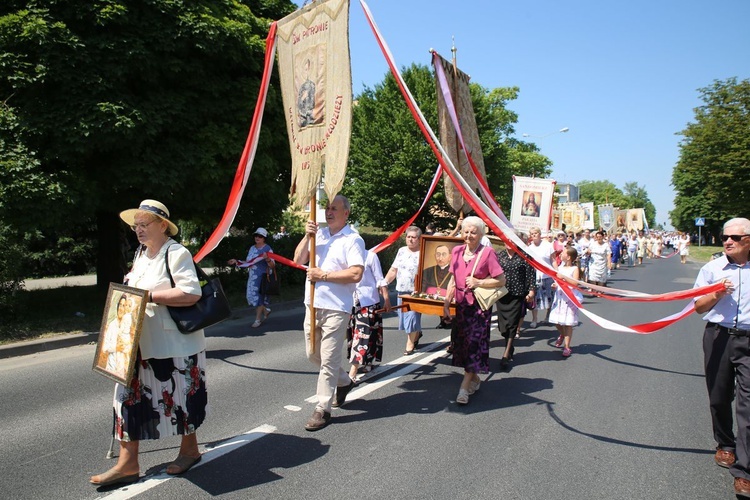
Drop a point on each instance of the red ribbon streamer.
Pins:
(475, 203)
(248, 154)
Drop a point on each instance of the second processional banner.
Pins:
(316, 86)
(532, 203)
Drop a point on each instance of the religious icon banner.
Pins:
(458, 83)
(532, 203)
(571, 217)
(606, 217)
(316, 86)
(635, 219)
(588, 215)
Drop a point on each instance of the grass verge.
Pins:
(703, 253)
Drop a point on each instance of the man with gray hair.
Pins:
(339, 264)
(726, 348)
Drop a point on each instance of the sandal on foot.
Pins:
(113, 477)
(474, 386)
(408, 352)
(256, 323)
(267, 313)
(416, 342)
(463, 397)
(182, 464)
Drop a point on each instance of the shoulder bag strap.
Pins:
(199, 272)
(479, 256)
(166, 262)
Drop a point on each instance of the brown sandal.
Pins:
(182, 464)
(113, 477)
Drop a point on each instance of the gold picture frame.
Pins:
(120, 332)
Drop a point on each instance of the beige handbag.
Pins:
(486, 297)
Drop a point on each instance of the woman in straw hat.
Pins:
(167, 395)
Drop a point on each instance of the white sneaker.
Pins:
(533, 324)
(256, 323)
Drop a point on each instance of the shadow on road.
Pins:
(605, 439)
(253, 464)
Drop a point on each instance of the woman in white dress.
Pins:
(599, 253)
(682, 246)
(564, 314)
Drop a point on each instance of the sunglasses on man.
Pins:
(735, 237)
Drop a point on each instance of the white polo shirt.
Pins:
(336, 253)
(367, 289)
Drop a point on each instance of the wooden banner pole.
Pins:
(313, 217)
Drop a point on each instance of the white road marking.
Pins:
(410, 363)
(213, 453)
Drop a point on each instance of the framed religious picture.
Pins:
(117, 348)
(431, 282)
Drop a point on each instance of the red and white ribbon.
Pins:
(248, 154)
(495, 223)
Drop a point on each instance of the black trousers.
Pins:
(727, 367)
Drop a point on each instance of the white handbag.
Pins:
(486, 297)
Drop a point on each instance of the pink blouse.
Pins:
(488, 267)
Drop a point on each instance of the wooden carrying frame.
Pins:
(117, 347)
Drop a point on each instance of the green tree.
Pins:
(712, 175)
(637, 197)
(391, 164)
(125, 100)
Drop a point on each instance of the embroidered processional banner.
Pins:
(621, 220)
(588, 215)
(532, 203)
(458, 83)
(571, 217)
(606, 217)
(316, 86)
(636, 216)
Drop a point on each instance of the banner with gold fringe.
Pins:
(458, 85)
(316, 86)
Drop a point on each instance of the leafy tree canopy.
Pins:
(391, 164)
(712, 175)
(124, 100)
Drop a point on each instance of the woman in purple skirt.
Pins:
(473, 266)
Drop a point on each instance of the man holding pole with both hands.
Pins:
(339, 264)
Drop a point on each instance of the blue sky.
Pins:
(623, 77)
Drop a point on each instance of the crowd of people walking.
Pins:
(350, 295)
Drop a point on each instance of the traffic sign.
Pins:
(700, 221)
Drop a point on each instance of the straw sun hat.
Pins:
(151, 206)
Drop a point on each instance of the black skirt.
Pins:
(509, 314)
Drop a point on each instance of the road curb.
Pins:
(26, 347)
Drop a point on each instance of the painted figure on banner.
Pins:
(310, 92)
(531, 207)
(435, 278)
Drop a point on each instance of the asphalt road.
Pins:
(625, 417)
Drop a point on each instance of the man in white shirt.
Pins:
(542, 250)
(582, 245)
(339, 264)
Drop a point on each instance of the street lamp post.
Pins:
(561, 131)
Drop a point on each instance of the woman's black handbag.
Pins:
(213, 306)
(269, 283)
